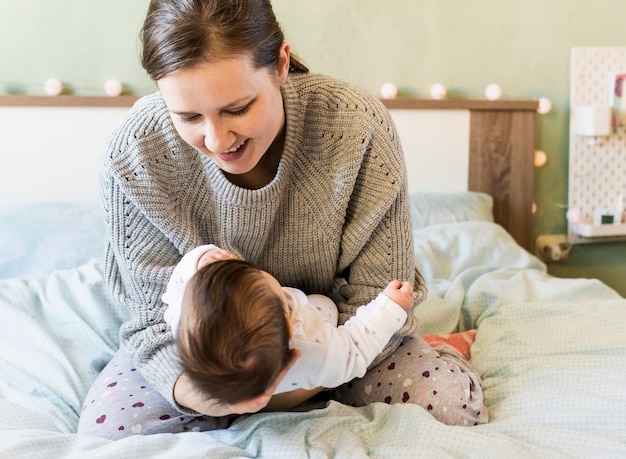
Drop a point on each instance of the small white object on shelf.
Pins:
(113, 88)
(388, 91)
(589, 230)
(592, 120)
(545, 106)
(53, 86)
(493, 92)
(438, 91)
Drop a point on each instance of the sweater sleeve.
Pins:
(377, 244)
(139, 252)
(137, 278)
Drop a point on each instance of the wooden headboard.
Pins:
(51, 147)
(501, 143)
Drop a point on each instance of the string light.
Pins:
(493, 92)
(46, 87)
(438, 91)
(545, 106)
(540, 158)
(53, 86)
(113, 88)
(388, 91)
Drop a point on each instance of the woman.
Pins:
(298, 173)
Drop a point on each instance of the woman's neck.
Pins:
(265, 171)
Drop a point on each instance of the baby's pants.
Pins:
(439, 380)
(122, 403)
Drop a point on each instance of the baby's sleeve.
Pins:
(353, 346)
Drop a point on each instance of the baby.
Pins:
(243, 337)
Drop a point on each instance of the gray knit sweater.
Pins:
(335, 220)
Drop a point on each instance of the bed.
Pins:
(552, 352)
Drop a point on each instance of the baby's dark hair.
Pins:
(234, 335)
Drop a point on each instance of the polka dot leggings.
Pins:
(122, 403)
(438, 379)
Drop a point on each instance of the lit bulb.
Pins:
(540, 158)
(53, 87)
(388, 91)
(493, 92)
(573, 215)
(534, 208)
(438, 91)
(545, 105)
(113, 88)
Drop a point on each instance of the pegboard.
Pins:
(597, 172)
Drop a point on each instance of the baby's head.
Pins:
(234, 331)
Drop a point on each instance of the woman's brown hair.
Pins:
(234, 335)
(179, 34)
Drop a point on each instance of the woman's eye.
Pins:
(241, 111)
(188, 119)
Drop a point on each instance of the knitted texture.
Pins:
(335, 220)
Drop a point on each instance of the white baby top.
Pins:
(331, 355)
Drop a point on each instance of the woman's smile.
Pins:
(235, 153)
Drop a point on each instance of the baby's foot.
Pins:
(461, 341)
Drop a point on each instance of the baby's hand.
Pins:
(215, 254)
(401, 293)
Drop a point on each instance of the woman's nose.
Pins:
(217, 137)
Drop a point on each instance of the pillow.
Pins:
(36, 239)
(435, 208)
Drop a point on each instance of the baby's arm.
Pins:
(352, 347)
(287, 400)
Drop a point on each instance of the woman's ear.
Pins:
(284, 59)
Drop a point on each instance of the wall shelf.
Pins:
(66, 101)
(461, 104)
(597, 172)
(595, 231)
(398, 103)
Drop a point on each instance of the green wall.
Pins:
(522, 46)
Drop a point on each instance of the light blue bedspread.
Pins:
(552, 353)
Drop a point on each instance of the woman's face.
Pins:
(229, 110)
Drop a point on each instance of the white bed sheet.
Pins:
(552, 353)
